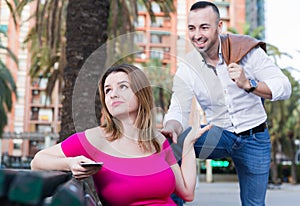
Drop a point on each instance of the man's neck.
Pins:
(211, 57)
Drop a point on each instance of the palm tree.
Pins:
(7, 88)
(285, 125)
(47, 42)
(86, 30)
(87, 26)
(7, 85)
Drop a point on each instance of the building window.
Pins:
(139, 37)
(223, 12)
(46, 115)
(34, 113)
(5, 13)
(17, 150)
(156, 38)
(4, 28)
(140, 22)
(155, 7)
(157, 53)
(141, 7)
(160, 37)
(44, 129)
(141, 54)
(159, 22)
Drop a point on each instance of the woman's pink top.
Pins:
(128, 181)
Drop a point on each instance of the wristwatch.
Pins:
(253, 85)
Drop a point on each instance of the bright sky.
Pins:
(283, 30)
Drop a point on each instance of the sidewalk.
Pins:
(227, 194)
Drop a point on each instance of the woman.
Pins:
(139, 166)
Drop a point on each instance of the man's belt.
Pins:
(259, 128)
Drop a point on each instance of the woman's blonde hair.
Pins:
(145, 120)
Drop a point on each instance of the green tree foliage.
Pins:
(7, 84)
(284, 126)
(47, 42)
(161, 80)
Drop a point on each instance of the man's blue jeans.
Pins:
(251, 157)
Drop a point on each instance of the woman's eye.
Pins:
(123, 86)
(106, 91)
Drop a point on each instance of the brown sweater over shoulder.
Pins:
(235, 46)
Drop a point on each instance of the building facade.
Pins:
(35, 120)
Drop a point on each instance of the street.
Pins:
(227, 194)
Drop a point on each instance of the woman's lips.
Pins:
(115, 104)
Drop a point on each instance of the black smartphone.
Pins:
(94, 164)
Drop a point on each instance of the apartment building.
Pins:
(35, 120)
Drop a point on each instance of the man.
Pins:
(229, 75)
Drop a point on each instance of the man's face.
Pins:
(203, 29)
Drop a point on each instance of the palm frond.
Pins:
(19, 5)
(148, 7)
(3, 119)
(12, 11)
(7, 87)
(10, 53)
(16, 7)
(46, 39)
(6, 77)
(275, 53)
(167, 6)
(232, 30)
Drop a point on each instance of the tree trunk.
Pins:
(293, 166)
(86, 31)
(274, 165)
(162, 98)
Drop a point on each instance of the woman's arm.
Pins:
(187, 173)
(53, 158)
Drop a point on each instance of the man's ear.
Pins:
(220, 27)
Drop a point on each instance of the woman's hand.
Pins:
(196, 131)
(79, 171)
(200, 131)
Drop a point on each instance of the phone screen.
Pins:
(96, 164)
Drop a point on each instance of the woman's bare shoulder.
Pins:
(95, 134)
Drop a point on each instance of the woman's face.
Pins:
(120, 100)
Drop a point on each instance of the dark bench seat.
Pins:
(45, 188)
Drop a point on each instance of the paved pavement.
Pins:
(227, 194)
